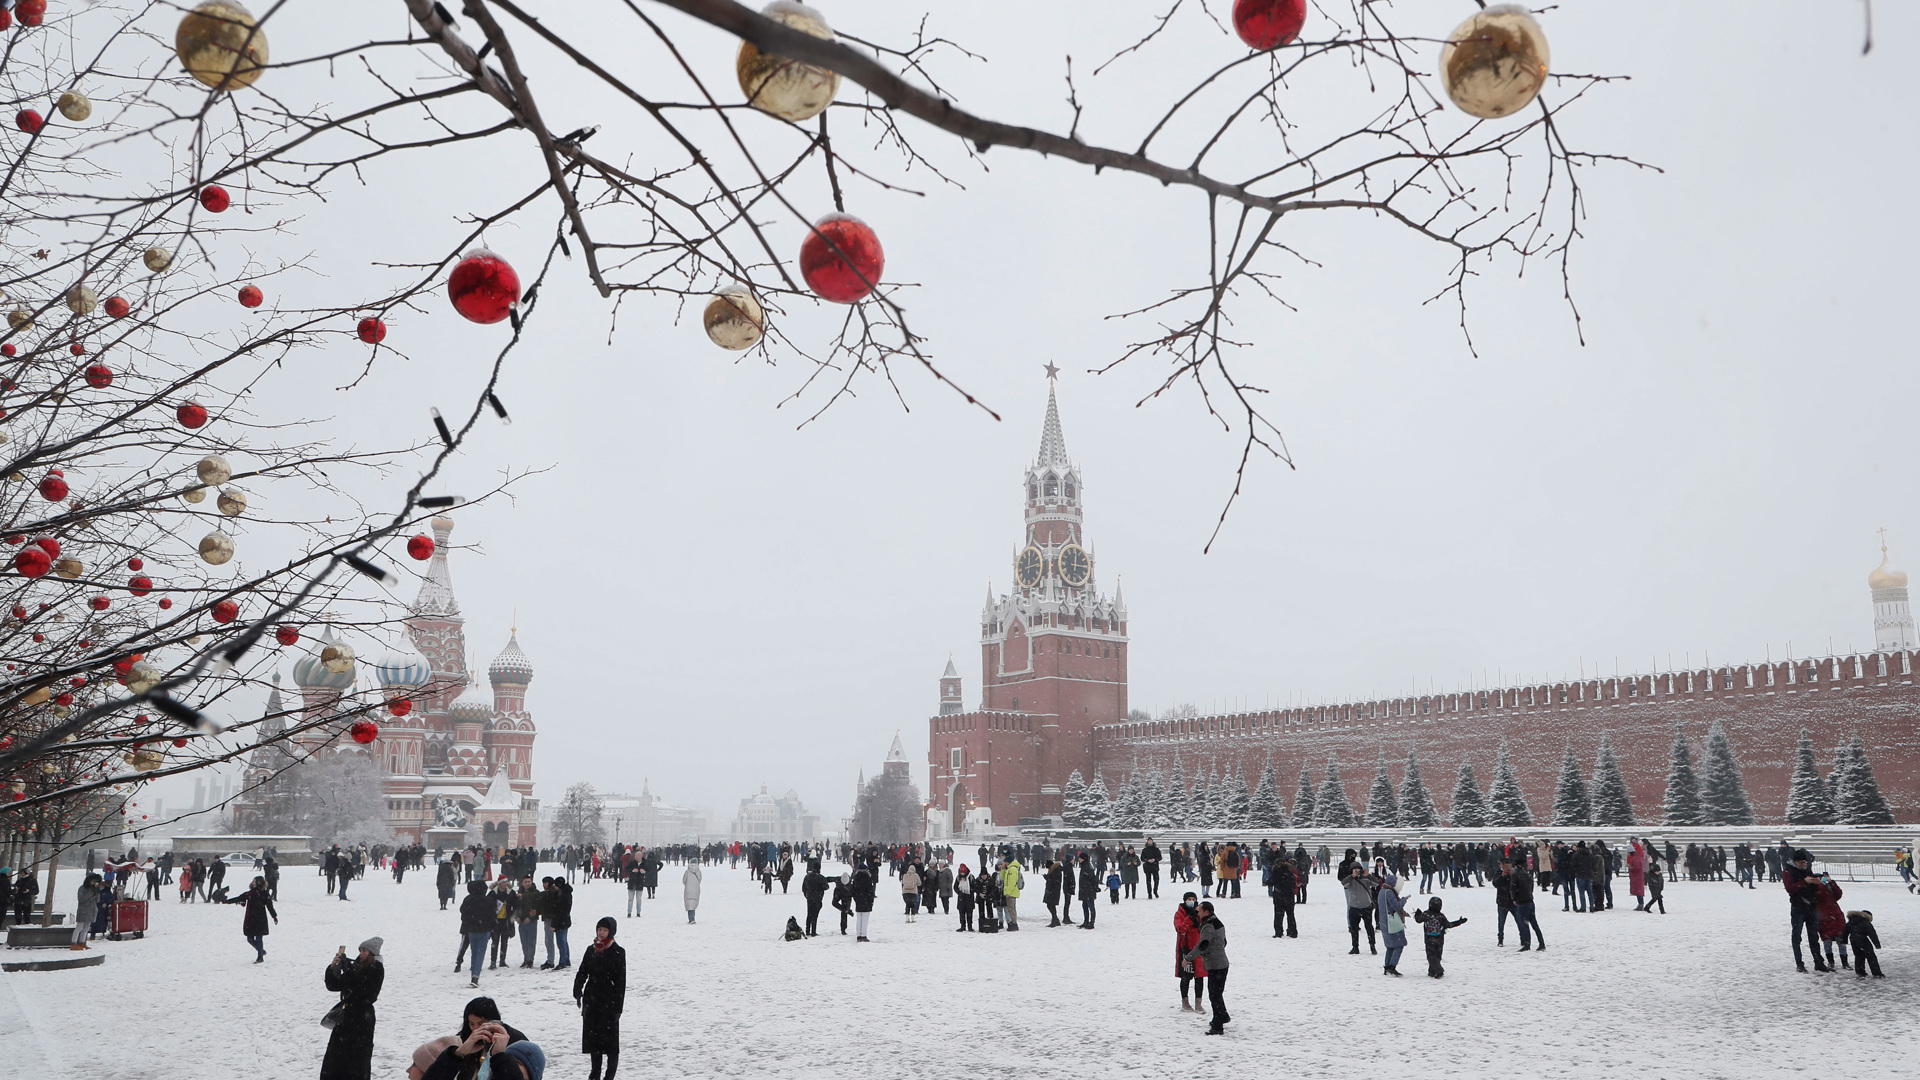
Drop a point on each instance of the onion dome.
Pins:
(512, 665)
(471, 707)
(310, 674)
(402, 667)
(1884, 578)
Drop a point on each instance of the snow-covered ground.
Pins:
(1708, 990)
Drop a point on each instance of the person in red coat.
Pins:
(1833, 920)
(1637, 875)
(1186, 938)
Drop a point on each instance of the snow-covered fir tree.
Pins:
(1197, 802)
(1303, 800)
(1682, 804)
(1073, 802)
(1264, 808)
(1216, 799)
(1832, 781)
(1860, 801)
(1612, 804)
(1506, 803)
(1131, 806)
(1331, 810)
(1467, 809)
(1239, 800)
(1176, 798)
(1383, 809)
(1416, 802)
(1099, 808)
(1723, 794)
(1570, 803)
(1156, 816)
(1808, 800)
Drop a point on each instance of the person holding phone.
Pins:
(357, 981)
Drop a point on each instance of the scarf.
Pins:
(601, 946)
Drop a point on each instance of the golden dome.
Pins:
(1883, 578)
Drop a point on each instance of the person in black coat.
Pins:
(814, 888)
(1052, 896)
(1089, 890)
(254, 923)
(350, 1050)
(862, 890)
(443, 880)
(600, 990)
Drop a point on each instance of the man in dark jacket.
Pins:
(843, 900)
(1150, 864)
(862, 890)
(443, 882)
(476, 926)
(1089, 890)
(814, 888)
(1051, 897)
(1801, 884)
(526, 918)
(1520, 888)
(1283, 886)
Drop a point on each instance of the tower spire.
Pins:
(1053, 444)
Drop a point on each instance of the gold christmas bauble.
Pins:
(143, 676)
(36, 696)
(74, 106)
(62, 711)
(232, 501)
(69, 567)
(146, 760)
(1496, 62)
(194, 495)
(214, 470)
(216, 548)
(82, 300)
(734, 319)
(4, 436)
(786, 88)
(19, 318)
(337, 658)
(156, 259)
(221, 46)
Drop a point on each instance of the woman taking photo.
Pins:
(600, 990)
(357, 981)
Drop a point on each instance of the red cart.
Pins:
(127, 917)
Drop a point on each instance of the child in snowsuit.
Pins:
(1113, 886)
(1865, 941)
(1437, 927)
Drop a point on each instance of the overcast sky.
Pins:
(715, 600)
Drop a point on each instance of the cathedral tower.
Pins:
(1893, 627)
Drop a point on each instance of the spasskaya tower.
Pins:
(1053, 660)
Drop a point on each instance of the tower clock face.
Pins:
(1028, 566)
(1075, 567)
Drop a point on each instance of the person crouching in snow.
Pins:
(1437, 927)
(1865, 941)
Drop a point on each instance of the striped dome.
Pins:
(310, 674)
(402, 667)
(512, 665)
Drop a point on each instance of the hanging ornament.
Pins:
(250, 296)
(192, 414)
(848, 273)
(372, 330)
(99, 603)
(483, 287)
(194, 495)
(1495, 63)
(177, 743)
(77, 349)
(1268, 24)
(734, 319)
(139, 586)
(213, 469)
(145, 760)
(165, 603)
(37, 696)
(220, 45)
(400, 706)
(156, 259)
(48, 544)
(19, 318)
(66, 566)
(99, 376)
(225, 611)
(118, 307)
(81, 300)
(337, 658)
(74, 106)
(215, 199)
(286, 634)
(232, 501)
(135, 563)
(32, 562)
(31, 12)
(420, 547)
(29, 121)
(141, 676)
(787, 88)
(216, 548)
(364, 731)
(53, 488)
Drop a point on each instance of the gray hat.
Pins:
(372, 945)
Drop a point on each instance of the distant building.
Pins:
(764, 817)
(644, 819)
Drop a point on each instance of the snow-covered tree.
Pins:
(1723, 794)
(1176, 798)
(1682, 804)
(1832, 782)
(1129, 806)
(1383, 810)
(1612, 805)
(1808, 800)
(1860, 801)
(1467, 809)
(1155, 817)
(1099, 808)
(1073, 802)
(578, 817)
(1570, 803)
(1239, 801)
(1197, 803)
(1216, 799)
(1416, 802)
(1506, 803)
(1264, 808)
(1303, 799)
(1331, 809)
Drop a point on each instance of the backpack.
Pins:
(794, 933)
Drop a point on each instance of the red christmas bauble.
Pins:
(99, 376)
(32, 562)
(49, 545)
(31, 11)
(118, 307)
(1268, 24)
(52, 488)
(287, 635)
(400, 706)
(63, 699)
(29, 121)
(99, 603)
(6, 19)
(19, 612)
(420, 547)
(250, 296)
(16, 539)
(372, 330)
(140, 586)
(364, 731)
(176, 742)
(165, 603)
(39, 637)
(77, 349)
(483, 287)
(225, 611)
(135, 563)
(192, 414)
(215, 198)
(8, 350)
(77, 681)
(849, 273)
